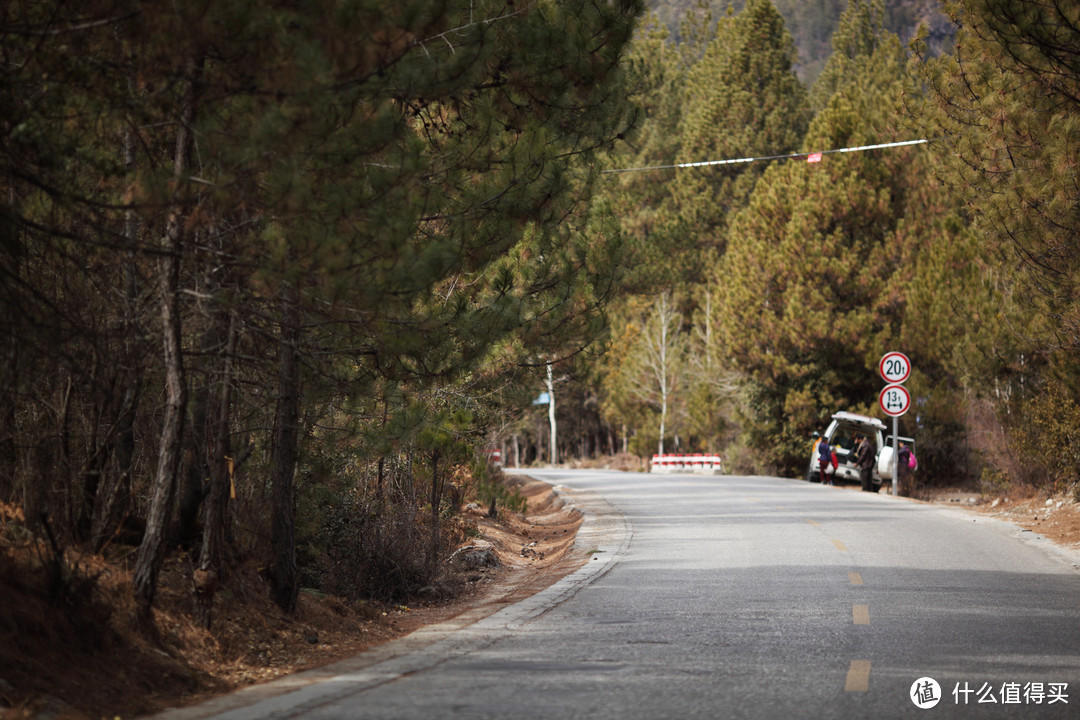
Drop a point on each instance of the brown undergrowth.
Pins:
(79, 653)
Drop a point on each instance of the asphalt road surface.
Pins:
(738, 597)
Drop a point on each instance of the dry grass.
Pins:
(86, 657)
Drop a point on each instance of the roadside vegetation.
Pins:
(276, 278)
(776, 286)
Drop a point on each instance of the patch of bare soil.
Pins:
(77, 657)
(1054, 516)
(626, 462)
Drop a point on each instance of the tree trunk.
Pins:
(63, 464)
(380, 480)
(100, 445)
(284, 575)
(115, 495)
(193, 468)
(663, 374)
(152, 550)
(663, 423)
(196, 476)
(211, 558)
(436, 504)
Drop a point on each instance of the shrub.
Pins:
(376, 552)
(1049, 438)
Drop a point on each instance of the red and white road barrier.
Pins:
(696, 464)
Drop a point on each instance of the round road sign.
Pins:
(895, 400)
(895, 367)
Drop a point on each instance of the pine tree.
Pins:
(813, 284)
(742, 100)
(1006, 99)
(1004, 109)
(340, 191)
(655, 86)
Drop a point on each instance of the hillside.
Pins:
(812, 23)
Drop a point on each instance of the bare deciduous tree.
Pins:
(656, 371)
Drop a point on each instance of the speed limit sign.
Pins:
(895, 367)
(895, 400)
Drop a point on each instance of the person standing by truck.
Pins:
(824, 460)
(905, 486)
(864, 458)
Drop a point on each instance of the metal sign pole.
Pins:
(894, 401)
(895, 454)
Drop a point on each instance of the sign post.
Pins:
(895, 400)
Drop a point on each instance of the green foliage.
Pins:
(993, 482)
(1049, 436)
(726, 90)
(741, 99)
(654, 85)
(959, 253)
(1003, 107)
(858, 35)
(400, 196)
(813, 23)
(815, 285)
(492, 486)
(992, 105)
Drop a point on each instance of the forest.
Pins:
(774, 287)
(277, 276)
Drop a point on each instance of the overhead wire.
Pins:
(813, 156)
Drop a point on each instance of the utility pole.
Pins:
(550, 382)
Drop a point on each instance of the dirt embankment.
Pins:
(81, 658)
(1055, 516)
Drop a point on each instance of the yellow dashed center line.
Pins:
(815, 523)
(858, 676)
(860, 614)
(840, 546)
(855, 578)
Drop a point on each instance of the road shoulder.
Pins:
(548, 569)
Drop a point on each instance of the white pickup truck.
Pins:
(843, 435)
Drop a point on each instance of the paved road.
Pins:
(740, 597)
